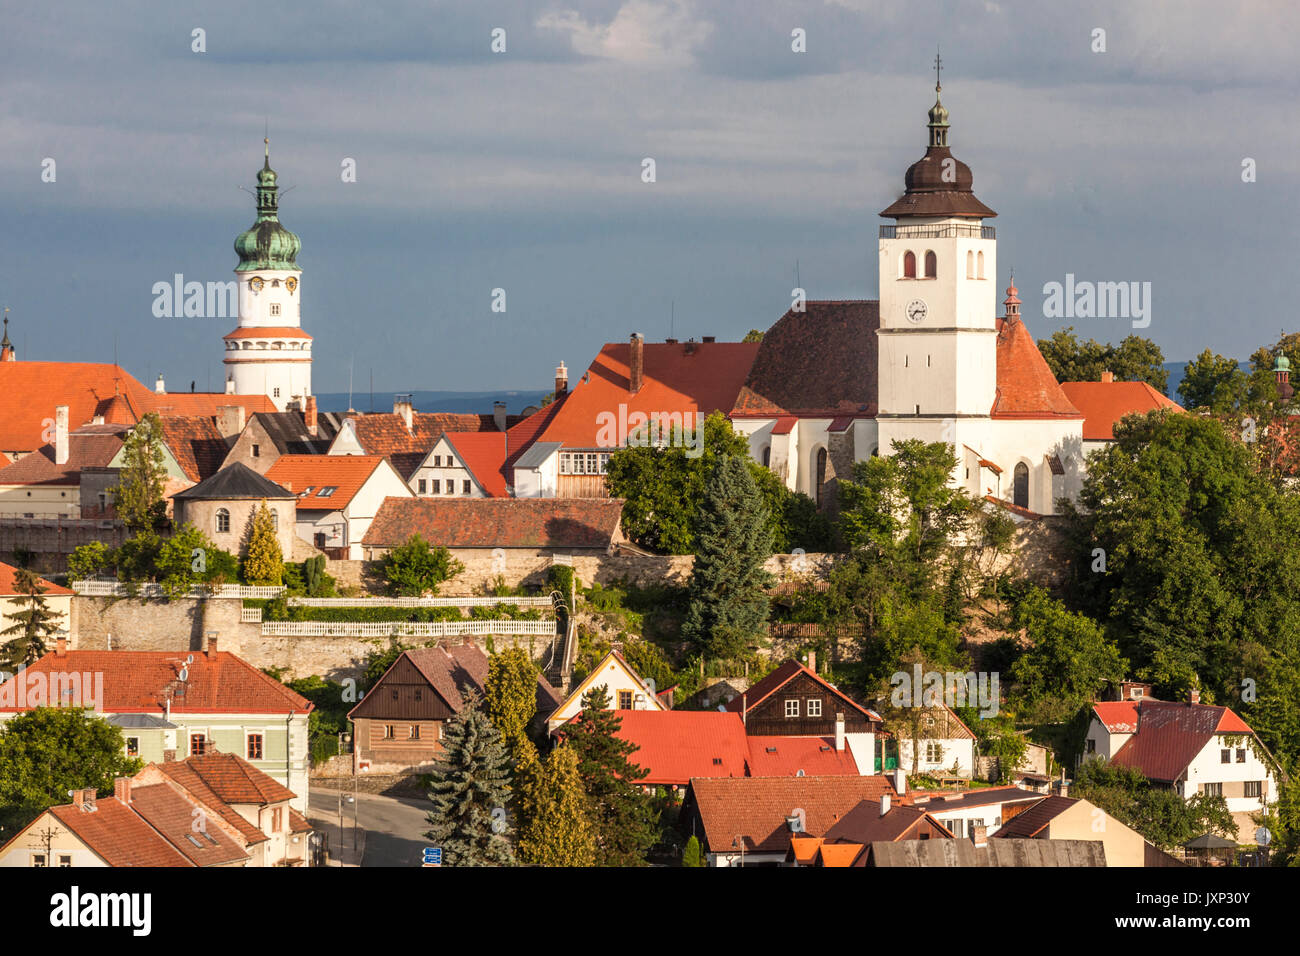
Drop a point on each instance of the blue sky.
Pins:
(521, 170)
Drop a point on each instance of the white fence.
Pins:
(250, 615)
(114, 589)
(411, 628)
(420, 602)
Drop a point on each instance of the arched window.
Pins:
(970, 264)
(1020, 486)
(820, 472)
(909, 265)
(931, 265)
(223, 521)
(275, 521)
(767, 456)
(980, 261)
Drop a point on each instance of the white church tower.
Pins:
(937, 358)
(269, 353)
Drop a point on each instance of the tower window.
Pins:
(980, 260)
(909, 265)
(1020, 486)
(275, 308)
(275, 393)
(905, 360)
(927, 361)
(223, 521)
(931, 265)
(970, 264)
(820, 474)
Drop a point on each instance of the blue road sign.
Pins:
(432, 856)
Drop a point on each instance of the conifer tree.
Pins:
(510, 695)
(264, 563)
(32, 625)
(621, 814)
(691, 854)
(560, 832)
(469, 788)
(728, 605)
(138, 496)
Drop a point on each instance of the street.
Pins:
(391, 828)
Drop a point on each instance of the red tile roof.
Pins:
(94, 446)
(774, 681)
(1105, 403)
(173, 816)
(1026, 386)
(183, 775)
(141, 681)
(231, 778)
(268, 332)
(484, 454)
(1117, 716)
(679, 378)
(118, 835)
(385, 433)
(587, 523)
(676, 745)
(171, 404)
(1028, 824)
(29, 392)
(9, 583)
(347, 474)
(865, 824)
(786, 756)
(1170, 735)
(196, 444)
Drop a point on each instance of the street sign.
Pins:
(432, 856)
(1263, 837)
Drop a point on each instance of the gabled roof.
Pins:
(613, 659)
(1028, 824)
(29, 392)
(786, 756)
(820, 362)
(679, 378)
(288, 431)
(774, 681)
(1103, 404)
(865, 824)
(9, 583)
(142, 682)
(173, 816)
(1026, 386)
(1170, 735)
(168, 404)
(484, 455)
(196, 443)
(346, 474)
(231, 778)
(995, 853)
(236, 480)
(583, 523)
(118, 835)
(93, 446)
(386, 434)
(944, 801)
(1117, 716)
(676, 745)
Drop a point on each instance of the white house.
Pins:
(947, 745)
(623, 685)
(463, 464)
(962, 811)
(338, 496)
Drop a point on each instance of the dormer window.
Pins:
(327, 491)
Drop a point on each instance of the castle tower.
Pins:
(269, 353)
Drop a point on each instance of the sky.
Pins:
(522, 170)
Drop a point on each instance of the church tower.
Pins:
(269, 354)
(937, 357)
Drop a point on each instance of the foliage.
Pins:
(1214, 382)
(414, 569)
(727, 604)
(996, 736)
(691, 856)
(1158, 813)
(187, 558)
(510, 695)
(1135, 359)
(263, 557)
(753, 335)
(89, 560)
(560, 832)
(138, 497)
(329, 716)
(378, 662)
(33, 623)
(47, 751)
(623, 820)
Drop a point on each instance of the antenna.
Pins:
(351, 362)
(672, 317)
(798, 284)
(372, 388)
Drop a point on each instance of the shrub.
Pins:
(414, 568)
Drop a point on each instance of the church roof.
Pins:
(1103, 404)
(236, 480)
(821, 361)
(1026, 386)
(267, 244)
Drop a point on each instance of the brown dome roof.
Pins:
(939, 184)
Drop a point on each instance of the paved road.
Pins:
(392, 827)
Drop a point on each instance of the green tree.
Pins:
(47, 751)
(469, 788)
(89, 561)
(414, 569)
(138, 496)
(33, 622)
(187, 558)
(263, 560)
(1160, 814)
(1214, 382)
(560, 832)
(691, 855)
(727, 604)
(753, 335)
(621, 814)
(1135, 359)
(1069, 660)
(510, 695)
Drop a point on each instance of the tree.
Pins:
(560, 832)
(47, 751)
(753, 335)
(264, 560)
(728, 603)
(510, 695)
(414, 569)
(469, 788)
(189, 557)
(621, 815)
(89, 560)
(1069, 659)
(138, 496)
(691, 855)
(32, 624)
(1158, 813)
(1135, 359)
(1214, 382)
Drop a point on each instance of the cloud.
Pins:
(642, 32)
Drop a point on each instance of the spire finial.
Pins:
(938, 65)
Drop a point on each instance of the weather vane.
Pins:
(938, 65)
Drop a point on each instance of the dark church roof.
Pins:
(235, 481)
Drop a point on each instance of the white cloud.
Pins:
(643, 32)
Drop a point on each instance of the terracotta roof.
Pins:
(1013, 508)
(170, 404)
(9, 583)
(679, 378)
(29, 392)
(864, 824)
(184, 776)
(92, 448)
(236, 480)
(1105, 403)
(1117, 716)
(774, 681)
(1027, 824)
(346, 474)
(196, 444)
(268, 332)
(118, 835)
(484, 454)
(229, 777)
(141, 681)
(172, 815)
(676, 745)
(1026, 386)
(587, 523)
(786, 756)
(820, 362)
(804, 848)
(384, 433)
(941, 801)
(1170, 735)
(756, 807)
(839, 854)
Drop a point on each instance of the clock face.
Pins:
(255, 283)
(291, 283)
(916, 310)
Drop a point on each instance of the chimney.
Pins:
(169, 756)
(61, 647)
(884, 804)
(230, 420)
(61, 435)
(561, 380)
(744, 709)
(1194, 696)
(839, 731)
(309, 416)
(499, 415)
(212, 647)
(122, 789)
(230, 385)
(1108, 376)
(402, 406)
(812, 661)
(900, 781)
(159, 387)
(636, 363)
(78, 798)
(670, 341)
(979, 835)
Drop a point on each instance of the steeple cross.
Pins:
(938, 65)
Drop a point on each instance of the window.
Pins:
(980, 260)
(1020, 486)
(306, 491)
(38, 860)
(909, 265)
(423, 483)
(792, 708)
(275, 521)
(133, 746)
(767, 456)
(275, 393)
(819, 472)
(419, 693)
(814, 707)
(931, 265)
(437, 461)
(415, 732)
(394, 693)
(933, 751)
(389, 732)
(1212, 789)
(254, 747)
(65, 859)
(451, 462)
(465, 487)
(198, 745)
(1241, 755)
(435, 486)
(451, 486)
(275, 820)
(1253, 788)
(223, 521)
(1225, 756)
(970, 264)
(275, 308)
(625, 700)
(1090, 746)
(257, 451)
